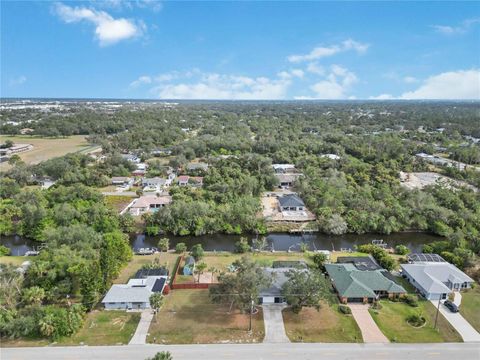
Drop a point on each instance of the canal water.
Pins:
(276, 241)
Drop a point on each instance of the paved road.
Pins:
(370, 331)
(464, 351)
(274, 328)
(463, 327)
(140, 336)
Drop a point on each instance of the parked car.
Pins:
(451, 306)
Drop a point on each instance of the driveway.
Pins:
(466, 331)
(370, 331)
(140, 336)
(274, 328)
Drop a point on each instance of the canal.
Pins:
(276, 241)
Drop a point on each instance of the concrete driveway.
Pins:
(463, 327)
(274, 328)
(370, 331)
(140, 336)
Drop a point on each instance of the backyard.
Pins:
(391, 319)
(189, 317)
(470, 307)
(327, 325)
(138, 261)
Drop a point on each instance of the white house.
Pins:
(136, 293)
(435, 280)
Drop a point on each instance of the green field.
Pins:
(48, 148)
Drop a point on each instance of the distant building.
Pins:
(286, 181)
(197, 166)
(132, 158)
(155, 182)
(194, 181)
(330, 156)
(16, 148)
(122, 180)
(283, 168)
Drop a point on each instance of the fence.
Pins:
(192, 285)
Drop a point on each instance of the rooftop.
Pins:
(147, 201)
(290, 200)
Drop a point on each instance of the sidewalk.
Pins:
(140, 336)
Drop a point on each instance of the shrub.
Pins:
(4, 250)
(376, 305)
(242, 246)
(411, 300)
(344, 309)
(401, 250)
(416, 320)
(180, 248)
(163, 244)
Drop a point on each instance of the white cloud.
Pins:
(315, 68)
(17, 81)
(464, 27)
(108, 30)
(462, 84)
(322, 51)
(141, 81)
(336, 84)
(410, 79)
(197, 85)
(299, 73)
(154, 5)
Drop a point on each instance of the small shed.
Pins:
(189, 266)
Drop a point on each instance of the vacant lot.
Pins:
(99, 328)
(118, 202)
(327, 325)
(391, 320)
(189, 317)
(105, 328)
(47, 148)
(470, 307)
(167, 259)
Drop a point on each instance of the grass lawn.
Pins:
(470, 307)
(188, 317)
(13, 260)
(391, 320)
(118, 202)
(105, 328)
(46, 148)
(336, 254)
(138, 260)
(327, 325)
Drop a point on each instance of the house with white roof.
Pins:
(148, 203)
(136, 293)
(435, 279)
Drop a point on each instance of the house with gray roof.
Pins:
(291, 202)
(136, 293)
(435, 280)
(353, 285)
(273, 294)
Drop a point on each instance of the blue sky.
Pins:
(241, 50)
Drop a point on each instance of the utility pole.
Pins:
(251, 314)
(438, 310)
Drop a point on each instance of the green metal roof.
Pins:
(353, 283)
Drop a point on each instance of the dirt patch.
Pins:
(420, 180)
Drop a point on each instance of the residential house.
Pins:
(291, 202)
(122, 181)
(353, 285)
(200, 166)
(194, 181)
(286, 181)
(132, 158)
(283, 168)
(153, 184)
(148, 203)
(136, 293)
(435, 280)
(273, 294)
